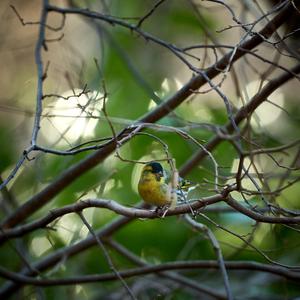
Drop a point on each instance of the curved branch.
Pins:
(261, 218)
(135, 213)
(108, 204)
(178, 265)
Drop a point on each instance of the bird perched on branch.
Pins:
(155, 190)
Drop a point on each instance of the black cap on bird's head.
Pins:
(156, 167)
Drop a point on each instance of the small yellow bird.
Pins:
(154, 190)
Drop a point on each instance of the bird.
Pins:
(154, 189)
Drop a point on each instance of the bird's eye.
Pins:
(160, 174)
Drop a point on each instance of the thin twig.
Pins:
(40, 44)
(106, 255)
(156, 5)
(217, 249)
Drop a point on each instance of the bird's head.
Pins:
(155, 168)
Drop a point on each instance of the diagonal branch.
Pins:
(107, 256)
(217, 249)
(241, 115)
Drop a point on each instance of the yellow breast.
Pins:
(153, 191)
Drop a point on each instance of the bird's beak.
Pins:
(159, 175)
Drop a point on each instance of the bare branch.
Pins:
(108, 204)
(156, 5)
(178, 265)
(40, 71)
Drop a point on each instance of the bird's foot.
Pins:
(162, 210)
